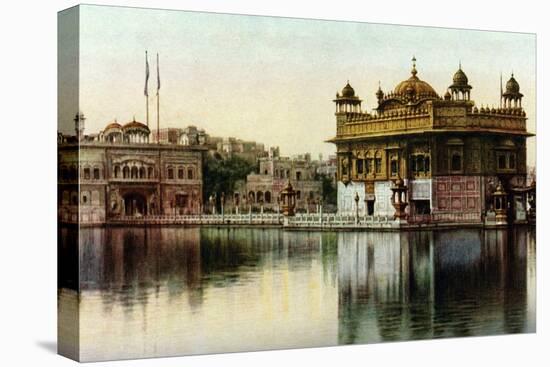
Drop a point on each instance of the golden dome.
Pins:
(512, 86)
(414, 85)
(348, 91)
(113, 125)
(135, 125)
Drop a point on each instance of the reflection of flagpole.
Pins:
(146, 91)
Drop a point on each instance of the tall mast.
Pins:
(146, 89)
(158, 100)
(161, 208)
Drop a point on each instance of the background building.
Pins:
(119, 174)
(262, 189)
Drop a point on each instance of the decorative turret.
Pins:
(379, 93)
(136, 132)
(511, 98)
(460, 89)
(347, 101)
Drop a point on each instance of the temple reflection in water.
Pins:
(420, 285)
(172, 291)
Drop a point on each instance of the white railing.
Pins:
(300, 220)
(330, 220)
(255, 218)
(445, 218)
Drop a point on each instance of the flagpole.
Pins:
(158, 100)
(146, 91)
(161, 208)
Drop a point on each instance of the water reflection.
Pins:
(417, 285)
(172, 291)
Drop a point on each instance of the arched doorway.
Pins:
(135, 205)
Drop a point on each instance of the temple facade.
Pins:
(118, 174)
(428, 158)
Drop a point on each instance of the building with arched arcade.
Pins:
(261, 190)
(449, 154)
(119, 174)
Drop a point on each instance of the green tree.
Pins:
(329, 189)
(221, 175)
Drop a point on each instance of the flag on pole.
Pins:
(158, 75)
(146, 91)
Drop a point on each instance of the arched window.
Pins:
(170, 173)
(96, 173)
(134, 172)
(456, 162)
(190, 174)
(378, 162)
(141, 172)
(419, 163)
(126, 172)
(267, 197)
(180, 173)
(359, 166)
(86, 173)
(369, 163)
(117, 171)
(394, 166)
(150, 172)
(259, 196)
(85, 197)
(251, 197)
(74, 198)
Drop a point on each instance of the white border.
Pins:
(28, 266)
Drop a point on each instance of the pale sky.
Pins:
(273, 79)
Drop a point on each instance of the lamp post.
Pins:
(398, 199)
(288, 198)
(500, 203)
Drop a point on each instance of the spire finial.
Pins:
(459, 65)
(413, 70)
